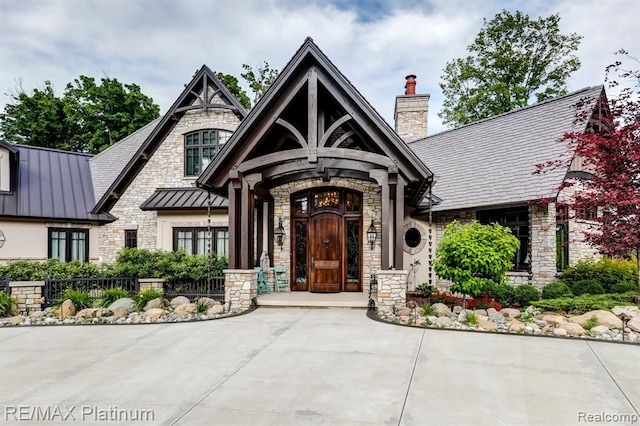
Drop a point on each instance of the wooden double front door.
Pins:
(326, 240)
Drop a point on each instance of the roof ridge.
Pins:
(61, 151)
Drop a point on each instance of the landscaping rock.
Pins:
(154, 313)
(208, 301)
(50, 321)
(553, 319)
(125, 302)
(457, 309)
(119, 312)
(572, 329)
(462, 316)
(157, 303)
(560, 332)
(634, 324)
(494, 315)
(179, 300)
(215, 310)
(482, 312)
(632, 311)
(87, 313)
(37, 314)
(403, 312)
(605, 318)
(441, 309)
(488, 325)
(444, 321)
(432, 320)
(516, 326)
(511, 312)
(67, 309)
(599, 330)
(16, 320)
(185, 309)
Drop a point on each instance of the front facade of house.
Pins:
(312, 177)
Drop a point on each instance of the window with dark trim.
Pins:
(197, 240)
(67, 244)
(516, 219)
(587, 213)
(562, 238)
(131, 238)
(200, 147)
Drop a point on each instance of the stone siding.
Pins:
(165, 169)
(240, 289)
(543, 244)
(156, 283)
(392, 290)
(28, 294)
(412, 117)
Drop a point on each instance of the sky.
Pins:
(159, 44)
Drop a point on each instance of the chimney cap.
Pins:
(411, 77)
(410, 85)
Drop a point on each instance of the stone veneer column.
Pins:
(239, 289)
(392, 289)
(543, 244)
(28, 294)
(157, 283)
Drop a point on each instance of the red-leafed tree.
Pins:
(610, 150)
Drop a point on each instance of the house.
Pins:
(312, 176)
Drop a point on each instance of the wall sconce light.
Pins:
(278, 234)
(372, 234)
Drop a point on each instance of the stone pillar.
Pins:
(411, 113)
(543, 244)
(28, 294)
(392, 289)
(239, 289)
(157, 283)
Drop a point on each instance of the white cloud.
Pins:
(159, 44)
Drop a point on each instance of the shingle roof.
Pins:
(491, 162)
(182, 199)
(51, 184)
(107, 166)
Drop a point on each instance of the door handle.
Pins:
(312, 262)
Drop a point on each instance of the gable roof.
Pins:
(190, 95)
(51, 184)
(310, 59)
(491, 162)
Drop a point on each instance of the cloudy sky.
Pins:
(158, 44)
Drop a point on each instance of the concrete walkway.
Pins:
(310, 366)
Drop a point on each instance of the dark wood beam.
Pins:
(339, 122)
(271, 159)
(382, 178)
(233, 226)
(206, 106)
(260, 228)
(343, 138)
(295, 132)
(312, 115)
(246, 226)
(398, 261)
(270, 227)
(354, 154)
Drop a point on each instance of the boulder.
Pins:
(67, 309)
(208, 301)
(511, 312)
(403, 312)
(599, 330)
(16, 320)
(634, 324)
(457, 309)
(441, 309)
(215, 310)
(157, 303)
(482, 312)
(125, 303)
(444, 321)
(120, 312)
(37, 314)
(462, 316)
(488, 325)
(185, 309)
(560, 332)
(88, 313)
(605, 318)
(154, 313)
(516, 326)
(179, 300)
(553, 319)
(632, 311)
(432, 320)
(572, 329)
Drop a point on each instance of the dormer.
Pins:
(8, 166)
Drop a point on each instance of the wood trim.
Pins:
(312, 115)
(233, 227)
(342, 138)
(398, 257)
(332, 128)
(290, 127)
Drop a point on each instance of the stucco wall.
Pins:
(4, 170)
(167, 221)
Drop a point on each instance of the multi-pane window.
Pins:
(562, 238)
(67, 245)
(196, 240)
(587, 213)
(201, 147)
(516, 219)
(131, 238)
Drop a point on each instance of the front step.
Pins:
(300, 299)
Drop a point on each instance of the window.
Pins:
(196, 240)
(562, 238)
(587, 213)
(67, 245)
(516, 219)
(201, 147)
(131, 238)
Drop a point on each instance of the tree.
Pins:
(87, 118)
(610, 149)
(259, 78)
(513, 59)
(472, 254)
(231, 83)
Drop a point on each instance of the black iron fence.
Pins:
(54, 289)
(4, 284)
(193, 289)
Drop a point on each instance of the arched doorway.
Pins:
(326, 240)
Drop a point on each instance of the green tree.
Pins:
(259, 78)
(512, 60)
(472, 254)
(87, 118)
(231, 83)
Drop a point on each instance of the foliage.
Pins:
(525, 294)
(472, 318)
(89, 116)
(425, 290)
(555, 290)
(81, 299)
(443, 297)
(484, 302)
(144, 296)
(591, 322)
(623, 287)
(608, 272)
(202, 307)
(504, 294)
(428, 310)
(110, 295)
(8, 305)
(587, 287)
(472, 254)
(24, 270)
(231, 83)
(260, 78)
(587, 302)
(512, 59)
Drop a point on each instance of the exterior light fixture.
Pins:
(625, 319)
(372, 234)
(278, 234)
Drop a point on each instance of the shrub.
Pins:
(24, 270)
(624, 287)
(504, 294)
(591, 322)
(428, 310)
(8, 305)
(484, 302)
(525, 294)
(587, 287)
(146, 295)
(202, 307)
(110, 295)
(606, 271)
(555, 290)
(81, 299)
(472, 318)
(587, 302)
(425, 290)
(443, 297)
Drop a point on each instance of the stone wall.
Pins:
(392, 290)
(157, 283)
(240, 289)
(543, 244)
(412, 117)
(28, 295)
(165, 169)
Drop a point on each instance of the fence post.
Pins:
(46, 291)
(6, 284)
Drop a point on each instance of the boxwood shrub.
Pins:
(555, 290)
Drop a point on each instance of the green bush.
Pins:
(587, 287)
(525, 294)
(624, 287)
(587, 302)
(80, 299)
(504, 294)
(24, 270)
(472, 318)
(555, 290)
(428, 310)
(110, 295)
(606, 271)
(146, 295)
(425, 289)
(591, 322)
(7, 304)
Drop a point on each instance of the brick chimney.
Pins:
(411, 112)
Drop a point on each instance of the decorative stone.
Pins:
(488, 325)
(462, 316)
(457, 309)
(482, 312)
(634, 324)
(119, 312)
(157, 303)
(403, 312)
(444, 321)
(560, 332)
(185, 309)
(125, 302)
(179, 300)
(441, 309)
(632, 311)
(516, 326)
(511, 313)
(154, 313)
(208, 301)
(599, 330)
(87, 313)
(605, 318)
(67, 309)
(572, 329)
(553, 319)
(16, 320)
(432, 320)
(215, 310)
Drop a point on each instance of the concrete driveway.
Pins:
(315, 366)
